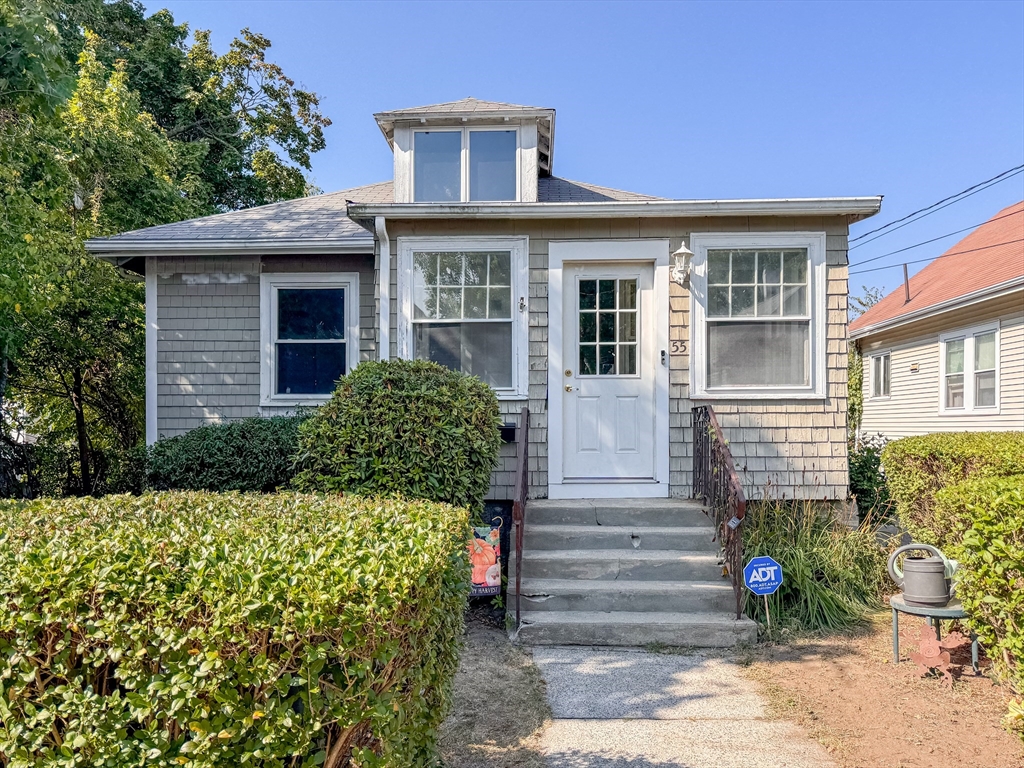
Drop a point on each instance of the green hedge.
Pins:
(211, 630)
(916, 468)
(250, 455)
(403, 427)
(989, 513)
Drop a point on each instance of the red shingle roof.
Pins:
(990, 255)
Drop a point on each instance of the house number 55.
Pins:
(678, 347)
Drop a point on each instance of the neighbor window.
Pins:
(465, 165)
(462, 304)
(309, 332)
(880, 375)
(970, 370)
(755, 320)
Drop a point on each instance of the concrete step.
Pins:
(610, 564)
(560, 536)
(697, 630)
(632, 512)
(630, 596)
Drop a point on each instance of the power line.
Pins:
(940, 237)
(935, 207)
(957, 253)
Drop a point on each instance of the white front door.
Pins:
(608, 377)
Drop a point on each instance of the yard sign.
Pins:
(763, 576)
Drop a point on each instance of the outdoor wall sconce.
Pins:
(682, 261)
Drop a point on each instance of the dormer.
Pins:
(469, 151)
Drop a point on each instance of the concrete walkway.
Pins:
(632, 709)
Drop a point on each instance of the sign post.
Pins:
(763, 576)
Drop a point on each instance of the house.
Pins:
(577, 300)
(945, 352)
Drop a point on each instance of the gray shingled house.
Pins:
(610, 314)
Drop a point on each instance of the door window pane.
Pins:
(309, 369)
(492, 165)
(754, 354)
(437, 166)
(608, 336)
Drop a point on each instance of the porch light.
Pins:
(682, 259)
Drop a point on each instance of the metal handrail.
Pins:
(717, 485)
(519, 499)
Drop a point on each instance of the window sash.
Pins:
(881, 375)
(466, 192)
(966, 387)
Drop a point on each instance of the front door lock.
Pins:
(568, 372)
(568, 388)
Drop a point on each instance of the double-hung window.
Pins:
(465, 165)
(462, 305)
(758, 315)
(881, 375)
(309, 332)
(969, 364)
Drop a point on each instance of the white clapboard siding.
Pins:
(912, 407)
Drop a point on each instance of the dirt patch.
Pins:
(499, 707)
(869, 714)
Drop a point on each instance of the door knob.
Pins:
(568, 388)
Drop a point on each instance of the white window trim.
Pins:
(464, 158)
(269, 283)
(969, 384)
(520, 250)
(870, 378)
(814, 242)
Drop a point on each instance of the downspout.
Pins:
(384, 290)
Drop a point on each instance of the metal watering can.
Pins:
(926, 581)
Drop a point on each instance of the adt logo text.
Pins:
(762, 575)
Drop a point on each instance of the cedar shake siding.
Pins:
(208, 314)
(792, 448)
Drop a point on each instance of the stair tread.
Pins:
(631, 617)
(645, 530)
(541, 586)
(638, 504)
(618, 554)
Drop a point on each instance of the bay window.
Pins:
(309, 333)
(465, 165)
(758, 315)
(462, 305)
(969, 370)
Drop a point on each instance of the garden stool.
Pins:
(951, 610)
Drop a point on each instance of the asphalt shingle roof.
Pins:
(324, 217)
(990, 255)
(467, 105)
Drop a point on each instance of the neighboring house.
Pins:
(576, 300)
(950, 357)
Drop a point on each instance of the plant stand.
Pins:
(951, 610)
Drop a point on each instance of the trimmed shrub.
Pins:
(916, 468)
(406, 427)
(867, 479)
(249, 455)
(833, 575)
(989, 514)
(219, 630)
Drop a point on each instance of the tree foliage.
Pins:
(110, 121)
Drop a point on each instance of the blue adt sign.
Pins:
(762, 575)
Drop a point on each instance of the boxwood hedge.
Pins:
(989, 515)
(249, 455)
(916, 468)
(406, 427)
(190, 629)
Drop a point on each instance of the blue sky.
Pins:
(914, 100)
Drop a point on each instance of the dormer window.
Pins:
(465, 165)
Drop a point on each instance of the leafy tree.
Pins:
(855, 364)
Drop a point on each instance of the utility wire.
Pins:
(957, 253)
(935, 207)
(940, 237)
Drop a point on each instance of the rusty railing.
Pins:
(716, 484)
(519, 500)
